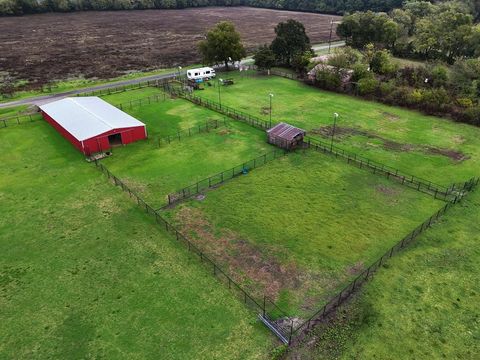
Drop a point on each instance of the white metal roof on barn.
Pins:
(87, 117)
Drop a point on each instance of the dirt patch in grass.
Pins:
(345, 132)
(452, 154)
(224, 132)
(253, 267)
(391, 117)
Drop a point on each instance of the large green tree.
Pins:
(264, 57)
(222, 45)
(368, 27)
(291, 40)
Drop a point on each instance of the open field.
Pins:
(423, 304)
(47, 47)
(434, 148)
(303, 225)
(85, 274)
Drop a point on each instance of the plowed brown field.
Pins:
(53, 46)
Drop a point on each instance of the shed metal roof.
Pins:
(285, 131)
(87, 117)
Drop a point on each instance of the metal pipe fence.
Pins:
(223, 176)
(218, 107)
(263, 306)
(426, 186)
(321, 314)
(200, 128)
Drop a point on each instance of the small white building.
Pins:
(201, 74)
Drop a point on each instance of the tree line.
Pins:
(445, 31)
(20, 7)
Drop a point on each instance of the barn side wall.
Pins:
(63, 132)
(100, 142)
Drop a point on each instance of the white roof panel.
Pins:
(86, 117)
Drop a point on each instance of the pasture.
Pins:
(297, 229)
(154, 171)
(423, 304)
(85, 274)
(429, 147)
(302, 226)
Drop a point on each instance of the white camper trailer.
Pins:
(201, 74)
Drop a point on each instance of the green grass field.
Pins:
(84, 273)
(304, 224)
(423, 304)
(426, 146)
(155, 171)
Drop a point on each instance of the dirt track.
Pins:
(53, 46)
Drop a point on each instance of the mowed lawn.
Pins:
(154, 172)
(304, 225)
(84, 273)
(425, 146)
(423, 304)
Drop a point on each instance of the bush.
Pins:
(360, 71)
(382, 64)
(472, 115)
(367, 86)
(465, 102)
(435, 100)
(328, 79)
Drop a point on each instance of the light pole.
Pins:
(219, 96)
(335, 117)
(270, 96)
(179, 75)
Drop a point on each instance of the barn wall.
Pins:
(62, 131)
(100, 142)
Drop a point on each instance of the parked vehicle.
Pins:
(201, 74)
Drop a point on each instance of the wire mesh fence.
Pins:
(223, 176)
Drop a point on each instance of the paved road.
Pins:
(39, 100)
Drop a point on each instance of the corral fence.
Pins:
(200, 128)
(320, 316)
(419, 184)
(223, 176)
(426, 186)
(20, 119)
(120, 88)
(266, 307)
(142, 101)
(218, 107)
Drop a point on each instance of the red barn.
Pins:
(91, 124)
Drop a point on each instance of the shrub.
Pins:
(465, 102)
(328, 79)
(360, 71)
(367, 86)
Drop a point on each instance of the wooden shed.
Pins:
(286, 136)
